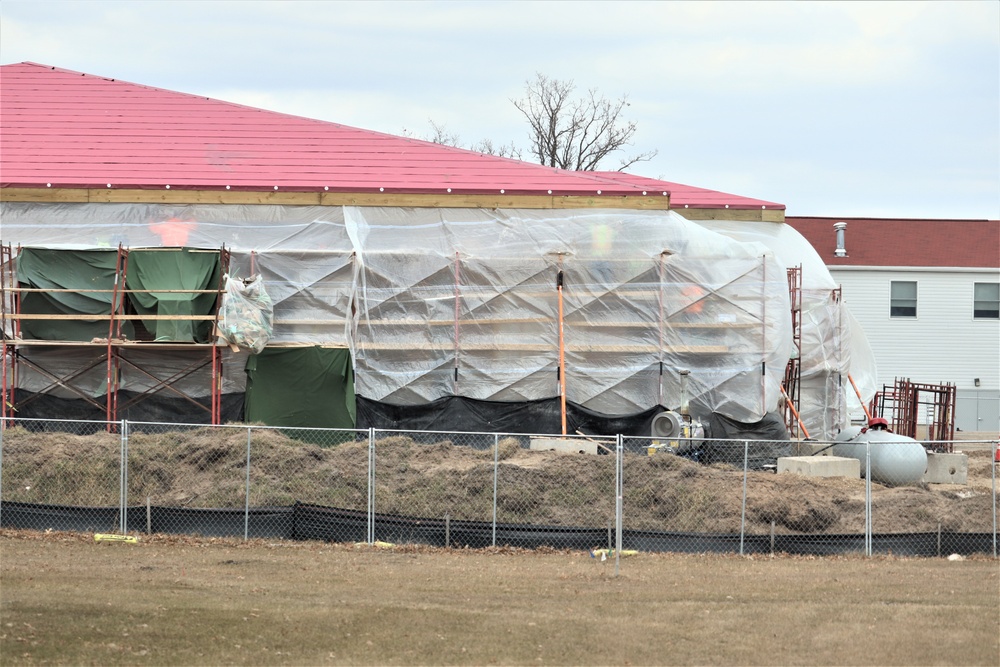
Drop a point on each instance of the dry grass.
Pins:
(182, 601)
(206, 467)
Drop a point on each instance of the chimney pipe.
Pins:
(841, 250)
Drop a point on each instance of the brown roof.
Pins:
(904, 242)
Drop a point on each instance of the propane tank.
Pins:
(895, 459)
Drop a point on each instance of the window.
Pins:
(986, 301)
(902, 298)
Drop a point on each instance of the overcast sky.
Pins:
(834, 109)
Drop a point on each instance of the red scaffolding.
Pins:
(901, 405)
(792, 388)
(114, 350)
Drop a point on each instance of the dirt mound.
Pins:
(207, 467)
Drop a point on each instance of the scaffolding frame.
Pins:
(115, 347)
(900, 404)
(793, 370)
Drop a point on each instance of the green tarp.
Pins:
(174, 269)
(66, 270)
(302, 386)
(83, 270)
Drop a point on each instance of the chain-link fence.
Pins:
(489, 489)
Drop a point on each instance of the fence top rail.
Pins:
(376, 432)
(61, 421)
(252, 427)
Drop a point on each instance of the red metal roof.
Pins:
(76, 130)
(904, 242)
(688, 196)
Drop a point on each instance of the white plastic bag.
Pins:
(246, 314)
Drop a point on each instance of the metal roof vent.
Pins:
(841, 250)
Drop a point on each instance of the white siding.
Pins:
(943, 343)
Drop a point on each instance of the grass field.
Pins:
(67, 600)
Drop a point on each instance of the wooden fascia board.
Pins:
(762, 214)
(137, 196)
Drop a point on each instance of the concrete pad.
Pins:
(945, 468)
(810, 448)
(565, 445)
(820, 466)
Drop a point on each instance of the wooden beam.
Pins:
(762, 214)
(458, 200)
(447, 346)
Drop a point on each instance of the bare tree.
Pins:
(576, 134)
(440, 134)
(489, 148)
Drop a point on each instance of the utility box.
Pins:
(820, 466)
(946, 468)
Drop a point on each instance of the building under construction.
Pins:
(386, 282)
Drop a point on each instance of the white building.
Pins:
(927, 293)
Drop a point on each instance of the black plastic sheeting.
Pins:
(465, 415)
(161, 407)
(271, 522)
(314, 522)
(770, 429)
(452, 414)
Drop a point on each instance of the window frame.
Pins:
(992, 313)
(900, 306)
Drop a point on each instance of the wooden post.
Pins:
(562, 350)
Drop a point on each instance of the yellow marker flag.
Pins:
(109, 537)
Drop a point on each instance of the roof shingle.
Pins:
(904, 242)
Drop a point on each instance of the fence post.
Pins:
(619, 451)
(993, 467)
(123, 480)
(743, 510)
(868, 498)
(496, 468)
(371, 485)
(246, 505)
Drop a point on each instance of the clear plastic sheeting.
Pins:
(833, 343)
(466, 302)
(70, 372)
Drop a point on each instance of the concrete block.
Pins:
(945, 468)
(810, 448)
(565, 445)
(820, 466)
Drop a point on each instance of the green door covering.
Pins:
(67, 269)
(174, 269)
(302, 386)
